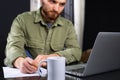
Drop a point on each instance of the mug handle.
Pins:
(42, 71)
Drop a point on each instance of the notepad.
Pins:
(14, 72)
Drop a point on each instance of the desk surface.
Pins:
(114, 75)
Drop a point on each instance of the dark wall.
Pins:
(100, 15)
(8, 11)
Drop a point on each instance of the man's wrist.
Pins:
(17, 62)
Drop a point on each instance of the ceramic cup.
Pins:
(55, 68)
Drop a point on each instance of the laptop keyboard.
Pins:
(75, 72)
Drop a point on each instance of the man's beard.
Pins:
(50, 15)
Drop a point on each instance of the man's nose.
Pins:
(56, 7)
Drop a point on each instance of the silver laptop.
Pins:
(104, 57)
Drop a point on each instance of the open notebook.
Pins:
(104, 57)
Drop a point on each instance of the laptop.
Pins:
(104, 57)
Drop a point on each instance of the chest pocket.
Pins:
(58, 40)
(57, 46)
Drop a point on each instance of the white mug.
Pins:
(55, 68)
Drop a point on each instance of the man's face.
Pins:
(52, 8)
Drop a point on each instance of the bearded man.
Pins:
(43, 33)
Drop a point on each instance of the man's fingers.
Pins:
(44, 64)
(27, 66)
(39, 58)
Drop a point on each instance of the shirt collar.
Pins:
(38, 18)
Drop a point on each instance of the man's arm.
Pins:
(72, 51)
(15, 42)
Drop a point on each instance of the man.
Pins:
(44, 33)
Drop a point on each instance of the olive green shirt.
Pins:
(30, 32)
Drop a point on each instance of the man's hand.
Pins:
(28, 65)
(40, 58)
(43, 57)
(25, 65)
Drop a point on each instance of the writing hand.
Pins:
(25, 65)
